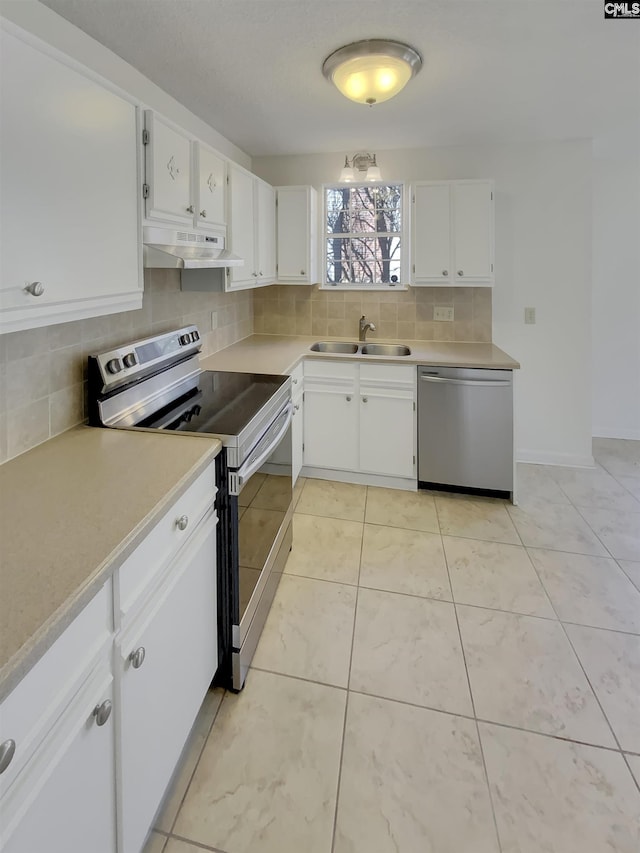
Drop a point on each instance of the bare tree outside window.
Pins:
(364, 234)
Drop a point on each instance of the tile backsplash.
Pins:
(403, 315)
(43, 371)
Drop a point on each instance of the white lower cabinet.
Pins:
(166, 660)
(360, 418)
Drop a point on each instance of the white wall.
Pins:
(616, 283)
(58, 32)
(543, 259)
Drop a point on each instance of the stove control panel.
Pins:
(125, 364)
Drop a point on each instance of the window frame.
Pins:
(404, 236)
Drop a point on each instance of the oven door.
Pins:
(263, 490)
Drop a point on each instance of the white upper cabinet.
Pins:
(211, 184)
(69, 208)
(252, 230)
(297, 235)
(169, 195)
(452, 233)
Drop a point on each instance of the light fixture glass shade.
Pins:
(372, 71)
(373, 174)
(347, 175)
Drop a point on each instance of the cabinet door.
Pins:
(212, 183)
(241, 234)
(387, 434)
(74, 809)
(70, 193)
(266, 223)
(161, 698)
(168, 172)
(431, 240)
(473, 231)
(331, 428)
(297, 436)
(295, 224)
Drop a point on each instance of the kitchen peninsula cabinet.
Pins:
(252, 230)
(452, 233)
(69, 209)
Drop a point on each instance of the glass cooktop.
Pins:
(222, 404)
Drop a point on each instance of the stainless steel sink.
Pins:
(335, 346)
(385, 349)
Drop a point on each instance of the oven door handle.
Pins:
(252, 465)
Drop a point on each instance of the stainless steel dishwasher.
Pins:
(465, 429)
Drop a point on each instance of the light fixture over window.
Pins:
(373, 70)
(360, 163)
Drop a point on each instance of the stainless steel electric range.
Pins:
(157, 383)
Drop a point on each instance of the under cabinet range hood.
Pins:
(171, 248)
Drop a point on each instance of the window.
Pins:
(364, 235)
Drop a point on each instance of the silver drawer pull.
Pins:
(203, 214)
(7, 751)
(35, 288)
(182, 522)
(460, 272)
(295, 381)
(102, 712)
(348, 399)
(365, 399)
(137, 657)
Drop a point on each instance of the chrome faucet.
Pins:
(364, 328)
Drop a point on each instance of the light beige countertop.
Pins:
(281, 353)
(71, 511)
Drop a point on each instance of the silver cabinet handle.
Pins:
(137, 657)
(102, 712)
(297, 408)
(295, 381)
(203, 213)
(35, 288)
(255, 275)
(7, 751)
(260, 273)
(348, 399)
(182, 522)
(460, 272)
(445, 272)
(302, 272)
(190, 209)
(365, 399)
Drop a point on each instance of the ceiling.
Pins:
(495, 70)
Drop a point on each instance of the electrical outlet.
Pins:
(530, 316)
(214, 319)
(443, 312)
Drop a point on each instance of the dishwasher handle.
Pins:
(476, 382)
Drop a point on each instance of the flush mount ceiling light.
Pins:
(373, 70)
(361, 163)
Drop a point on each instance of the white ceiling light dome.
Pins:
(373, 70)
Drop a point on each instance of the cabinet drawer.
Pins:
(29, 712)
(388, 375)
(342, 372)
(165, 540)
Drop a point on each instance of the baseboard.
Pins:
(409, 485)
(613, 432)
(542, 457)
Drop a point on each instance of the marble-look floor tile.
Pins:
(612, 663)
(619, 531)
(176, 845)
(558, 797)
(413, 781)
(631, 484)
(333, 500)
(523, 673)
(408, 648)
(309, 630)
(476, 520)
(325, 548)
(397, 508)
(595, 487)
(189, 759)
(561, 528)
(267, 779)
(537, 481)
(155, 843)
(632, 571)
(634, 763)
(406, 561)
(495, 575)
(589, 590)
(621, 457)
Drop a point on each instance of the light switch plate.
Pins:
(214, 319)
(443, 312)
(530, 316)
